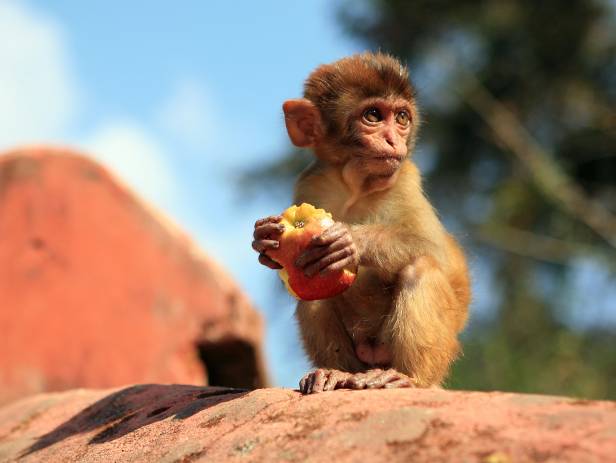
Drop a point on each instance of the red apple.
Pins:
(301, 224)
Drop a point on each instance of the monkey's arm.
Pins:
(388, 248)
(326, 341)
(266, 234)
(428, 313)
(391, 247)
(332, 351)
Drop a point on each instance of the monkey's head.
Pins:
(360, 108)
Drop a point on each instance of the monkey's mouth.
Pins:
(388, 158)
(386, 164)
(385, 156)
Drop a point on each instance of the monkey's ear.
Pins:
(303, 122)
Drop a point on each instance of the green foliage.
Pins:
(281, 172)
(552, 65)
(532, 216)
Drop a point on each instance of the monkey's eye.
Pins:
(372, 115)
(403, 118)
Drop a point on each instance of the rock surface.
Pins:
(97, 290)
(177, 423)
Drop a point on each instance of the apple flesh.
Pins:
(301, 224)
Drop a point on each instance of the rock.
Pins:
(158, 423)
(98, 290)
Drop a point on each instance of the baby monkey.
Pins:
(398, 324)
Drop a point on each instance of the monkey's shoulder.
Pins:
(320, 186)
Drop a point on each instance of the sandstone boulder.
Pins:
(157, 423)
(98, 290)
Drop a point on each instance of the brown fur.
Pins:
(412, 290)
(410, 298)
(336, 88)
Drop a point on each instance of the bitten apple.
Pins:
(301, 224)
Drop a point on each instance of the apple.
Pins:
(301, 224)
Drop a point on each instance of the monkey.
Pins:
(398, 324)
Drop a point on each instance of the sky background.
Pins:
(176, 100)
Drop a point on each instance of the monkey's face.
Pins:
(373, 134)
(382, 129)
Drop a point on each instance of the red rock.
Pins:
(97, 290)
(193, 424)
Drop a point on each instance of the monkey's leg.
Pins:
(423, 325)
(324, 379)
(330, 347)
(326, 342)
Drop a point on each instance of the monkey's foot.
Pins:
(323, 379)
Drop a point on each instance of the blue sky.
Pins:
(175, 100)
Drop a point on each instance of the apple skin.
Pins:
(301, 224)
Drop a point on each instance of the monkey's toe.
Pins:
(313, 382)
(323, 379)
(379, 379)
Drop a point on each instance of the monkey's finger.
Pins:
(382, 379)
(264, 259)
(332, 381)
(305, 383)
(325, 261)
(267, 230)
(356, 381)
(314, 252)
(311, 255)
(310, 383)
(302, 384)
(399, 383)
(263, 245)
(339, 265)
(319, 380)
(324, 264)
(330, 235)
(271, 218)
(337, 380)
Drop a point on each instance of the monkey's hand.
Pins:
(323, 379)
(331, 251)
(266, 232)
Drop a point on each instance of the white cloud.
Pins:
(38, 97)
(137, 158)
(188, 113)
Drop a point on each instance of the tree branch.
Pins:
(535, 246)
(552, 181)
(555, 184)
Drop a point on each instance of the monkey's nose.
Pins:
(391, 145)
(390, 137)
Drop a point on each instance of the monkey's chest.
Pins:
(365, 306)
(364, 311)
(374, 352)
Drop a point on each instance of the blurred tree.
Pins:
(520, 101)
(519, 154)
